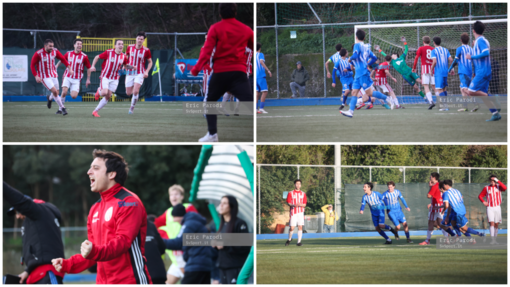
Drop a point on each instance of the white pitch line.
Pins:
(300, 116)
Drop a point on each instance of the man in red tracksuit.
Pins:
(226, 47)
(116, 226)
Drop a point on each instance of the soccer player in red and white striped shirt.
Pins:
(382, 71)
(493, 203)
(44, 70)
(296, 199)
(77, 59)
(435, 215)
(424, 54)
(113, 60)
(137, 55)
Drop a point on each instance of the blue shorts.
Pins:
(452, 216)
(364, 82)
(378, 219)
(261, 84)
(397, 217)
(460, 220)
(441, 82)
(480, 83)
(346, 83)
(465, 80)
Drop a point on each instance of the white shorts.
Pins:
(71, 84)
(433, 215)
(49, 83)
(132, 79)
(427, 79)
(109, 84)
(175, 271)
(297, 219)
(384, 88)
(494, 214)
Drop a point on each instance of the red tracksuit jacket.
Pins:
(117, 226)
(230, 38)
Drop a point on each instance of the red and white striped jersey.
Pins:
(43, 63)
(296, 197)
(137, 57)
(424, 54)
(493, 194)
(76, 61)
(380, 74)
(249, 64)
(436, 199)
(112, 64)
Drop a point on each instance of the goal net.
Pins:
(388, 36)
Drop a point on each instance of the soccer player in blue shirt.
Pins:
(465, 70)
(334, 59)
(343, 70)
(362, 57)
(483, 73)
(260, 69)
(444, 225)
(454, 202)
(376, 203)
(441, 59)
(395, 214)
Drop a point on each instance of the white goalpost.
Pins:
(387, 36)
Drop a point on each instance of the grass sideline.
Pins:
(366, 260)
(413, 124)
(151, 122)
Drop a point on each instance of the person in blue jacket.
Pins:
(199, 259)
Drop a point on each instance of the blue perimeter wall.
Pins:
(79, 99)
(354, 234)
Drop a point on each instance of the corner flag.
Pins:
(156, 67)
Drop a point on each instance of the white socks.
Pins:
(290, 234)
(299, 235)
(395, 101)
(429, 234)
(429, 97)
(491, 229)
(134, 99)
(495, 232)
(60, 105)
(101, 104)
(444, 233)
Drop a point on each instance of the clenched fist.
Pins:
(86, 247)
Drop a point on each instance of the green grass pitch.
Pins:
(367, 261)
(413, 124)
(151, 122)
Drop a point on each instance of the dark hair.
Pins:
(47, 41)
(114, 162)
(234, 209)
(370, 184)
(297, 181)
(360, 34)
(116, 40)
(441, 184)
(352, 47)
(151, 217)
(343, 52)
(390, 183)
(338, 47)
(387, 58)
(141, 33)
(77, 40)
(479, 27)
(448, 182)
(228, 10)
(426, 39)
(464, 38)
(437, 40)
(259, 46)
(491, 176)
(435, 175)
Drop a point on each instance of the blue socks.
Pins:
(457, 230)
(443, 94)
(450, 231)
(384, 235)
(344, 99)
(379, 95)
(352, 104)
(407, 235)
(262, 105)
(387, 227)
(472, 231)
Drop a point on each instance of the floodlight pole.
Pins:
(176, 86)
(160, 89)
(276, 34)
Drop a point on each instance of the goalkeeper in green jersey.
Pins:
(399, 64)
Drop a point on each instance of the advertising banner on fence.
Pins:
(15, 68)
(182, 71)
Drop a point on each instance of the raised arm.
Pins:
(418, 54)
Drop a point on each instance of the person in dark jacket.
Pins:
(41, 236)
(298, 80)
(154, 248)
(231, 258)
(199, 259)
